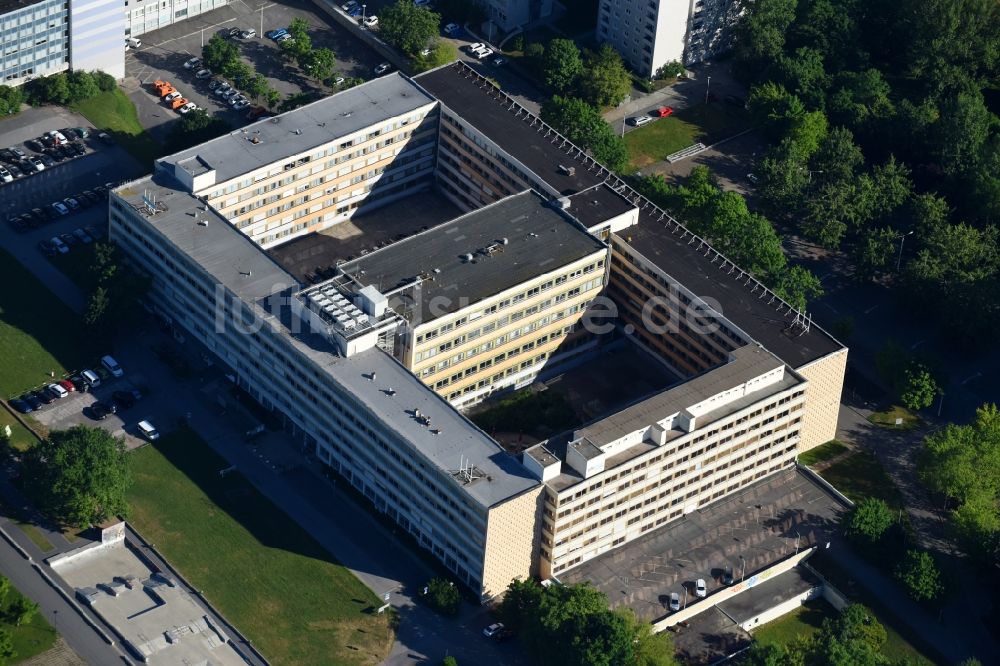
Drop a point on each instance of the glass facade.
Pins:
(35, 41)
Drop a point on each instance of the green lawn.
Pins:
(20, 437)
(263, 572)
(38, 333)
(887, 418)
(823, 452)
(859, 475)
(805, 622)
(705, 123)
(115, 113)
(32, 637)
(527, 411)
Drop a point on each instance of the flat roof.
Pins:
(528, 238)
(302, 129)
(598, 204)
(760, 522)
(745, 364)
(538, 148)
(450, 440)
(208, 238)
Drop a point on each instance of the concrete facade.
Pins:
(651, 33)
(826, 383)
(511, 14)
(142, 16)
(97, 27)
(34, 39)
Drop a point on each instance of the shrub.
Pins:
(868, 521)
(443, 596)
(671, 70)
(920, 576)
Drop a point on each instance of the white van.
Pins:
(148, 431)
(133, 42)
(111, 365)
(89, 376)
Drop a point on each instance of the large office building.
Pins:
(651, 33)
(371, 360)
(508, 15)
(142, 16)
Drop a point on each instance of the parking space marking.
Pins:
(192, 34)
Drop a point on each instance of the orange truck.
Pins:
(178, 103)
(163, 88)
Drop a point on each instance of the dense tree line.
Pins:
(746, 238)
(67, 87)
(572, 624)
(882, 128)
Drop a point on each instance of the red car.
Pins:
(66, 384)
(664, 111)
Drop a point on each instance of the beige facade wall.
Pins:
(504, 339)
(664, 482)
(511, 541)
(826, 382)
(308, 192)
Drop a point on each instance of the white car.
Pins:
(172, 96)
(58, 244)
(371, 22)
(472, 48)
(639, 121)
(284, 38)
(192, 63)
(700, 589)
(37, 163)
(5, 175)
(148, 431)
(339, 81)
(242, 104)
(675, 601)
(57, 391)
(382, 68)
(61, 208)
(493, 629)
(483, 53)
(203, 74)
(187, 108)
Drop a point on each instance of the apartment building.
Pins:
(366, 366)
(96, 36)
(618, 478)
(366, 416)
(651, 33)
(510, 14)
(142, 16)
(34, 37)
(314, 167)
(486, 311)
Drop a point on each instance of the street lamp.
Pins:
(902, 239)
(797, 537)
(363, 10)
(708, 87)
(743, 568)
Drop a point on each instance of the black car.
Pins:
(69, 239)
(124, 399)
(100, 410)
(43, 395)
(101, 190)
(48, 213)
(40, 215)
(30, 220)
(35, 145)
(78, 148)
(20, 405)
(233, 32)
(54, 154)
(32, 401)
(47, 160)
(95, 232)
(7, 155)
(66, 151)
(83, 201)
(17, 224)
(90, 196)
(79, 383)
(14, 170)
(47, 248)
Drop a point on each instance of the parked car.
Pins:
(71, 203)
(233, 32)
(47, 248)
(338, 81)
(242, 104)
(17, 224)
(664, 111)
(451, 29)
(214, 83)
(15, 171)
(192, 63)
(47, 160)
(36, 164)
(123, 399)
(675, 601)
(727, 577)
(222, 89)
(187, 108)
(78, 148)
(59, 245)
(499, 61)
(79, 383)
(111, 365)
(32, 401)
(99, 410)
(69, 239)
(274, 34)
(40, 215)
(57, 391)
(148, 431)
(355, 11)
(106, 138)
(82, 132)
(284, 38)
(91, 378)
(700, 589)
(382, 68)
(6, 176)
(371, 21)
(35, 145)
(348, 6)
(203, 74)
(95, 232)
(67, 385)
(91, 196)
(753, 178)
(20, 405)
(60, 208)
(57, 137)
(249, 33)
(66, 152)
(172, 96)
(483, 53)
(53, 153)
(639, 121)
(493, 630)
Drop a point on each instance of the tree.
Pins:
(301, 43)
(443, 596)
(78, 476)
(105, 82)
(607, 81)
(838, 158)
(963, 464)
(561, 65)
(11, 99)
(868, 521)
(319, 63)
(797, 285)
(239, 72)
(20, 610)
(81, 86)
(449, 661)
(802, 74)
(875, 251)
(97, 306)
(408, 27)
(521, 601)
(6, 644)
(920, 576)
(52, 89)
(920, 388)
(583, 125)
(860, 98)
(257, 86)
(760, 37)
(218, 53)
(961, 131)
(670, 70)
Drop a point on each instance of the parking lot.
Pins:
(164, 52)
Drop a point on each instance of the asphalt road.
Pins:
(57, 610)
